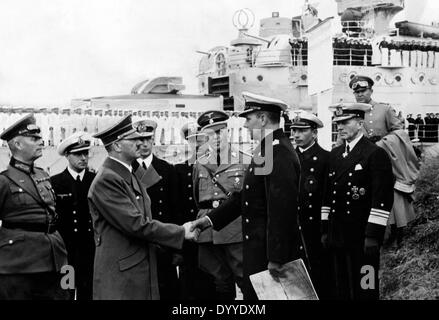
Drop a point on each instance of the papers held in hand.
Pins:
(293, 283)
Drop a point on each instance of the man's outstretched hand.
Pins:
(190, 233)
(201, 224)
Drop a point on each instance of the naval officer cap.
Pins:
(306, 120)
(255, 102)
(346, 111)
(359, 83)
(146, 128)
(122, 130)
(77, 142)
(25, 127)
(212, 120)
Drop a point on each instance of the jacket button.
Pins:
(247, 220)
(251, 169)
(246, 204)
(350, 174)
(74, 212)
(160, 213)
(300, 228)
(215, 194)
(349, 184)
(189, 174)
(160, 201)
(217, 176)
(310, 194)
(333, 211)
(348, 193)
(189, 186)
(246, 237)
(11, 241)
(190, 198)
(161, 189)
(75, 221)
(298, 208)
(301, 248)
(348, 203)
(312, 169)
(382, 204)
(333, 201)
(75, 230)
(21, 190)
(348, 212)
(310, 218)
(247, 187)
(138, 197)
(310, 206)
(335, 192)
(192, 210)
(311, 182)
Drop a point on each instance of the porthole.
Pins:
(260, 78)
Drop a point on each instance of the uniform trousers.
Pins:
(347, 277)
(224, 263)
(32, 286)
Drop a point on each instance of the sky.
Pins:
(52, 51)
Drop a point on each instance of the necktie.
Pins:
(144, 165)
(78, 179)
(348, 149)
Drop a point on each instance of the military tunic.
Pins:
(381, 120)
(29, 242)
(313, 174)
(213, 184)
(268, 205)
(357, 202)
(76, 228)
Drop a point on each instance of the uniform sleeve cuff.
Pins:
(379, 217)
(325, 213)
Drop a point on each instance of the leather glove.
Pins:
(275, 270)
(371, 246)
(324, 240)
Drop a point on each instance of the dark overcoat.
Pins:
(125, 236)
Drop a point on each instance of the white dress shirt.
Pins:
(124, 164)
(147, 161)
(75, 174)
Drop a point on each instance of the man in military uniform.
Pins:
(381, 119)
(125, 234)
(268, 200)
(218, 172)
(195, 283)
(313, 175)
(71, 188)
(160, 179)
(356, 206)
(32, 252)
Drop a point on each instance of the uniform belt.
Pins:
(210, 204)
(32, 227)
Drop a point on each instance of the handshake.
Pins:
(192, 229)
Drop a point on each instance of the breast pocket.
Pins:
(203, 181)
(235, 180)
(19, 196)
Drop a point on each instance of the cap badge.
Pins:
(339, 111)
